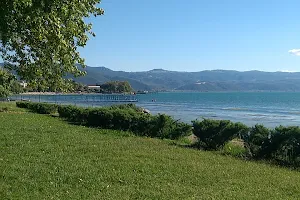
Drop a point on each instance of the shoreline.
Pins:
(69, 93)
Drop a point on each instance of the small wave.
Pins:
(268, 115)
(257, 115)
(295, 112)
(234, 108)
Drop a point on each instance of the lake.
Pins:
(268, 108)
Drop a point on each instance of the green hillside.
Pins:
(43, 157)
(216, 80)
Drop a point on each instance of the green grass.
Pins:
(10, 107)
(43, 157)
(234, 148)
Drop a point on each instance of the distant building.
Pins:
(23, 84)
(94, 87)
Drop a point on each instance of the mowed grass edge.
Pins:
(43, 157)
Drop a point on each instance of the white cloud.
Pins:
(296, 52)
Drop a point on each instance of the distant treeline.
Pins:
(280, 145)
(108, 87)
(8, 84)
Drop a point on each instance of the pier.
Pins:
(77, 98)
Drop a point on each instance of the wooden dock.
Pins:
(77, 98)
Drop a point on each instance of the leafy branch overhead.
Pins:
(40, 38)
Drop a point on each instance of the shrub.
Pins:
(126, 107)
(181, 130)
(284, 146)
(22, 104)
(122, 119)
(281, 144)
(74, 114)
(141, 124)
(213, 134)
(100, 117)
(127, 118)
(161, 126)
(164, 126)
(257, 140)
(4, 92)
(41, 108)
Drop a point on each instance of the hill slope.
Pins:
(215, 80)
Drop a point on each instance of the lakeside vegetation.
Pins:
(45, 157)
(280, 145)
(8, 84)
(119, 152)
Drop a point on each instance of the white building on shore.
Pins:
(23, 84)
(94, 87)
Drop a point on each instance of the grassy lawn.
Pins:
(43, 157)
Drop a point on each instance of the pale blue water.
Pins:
(270, 109)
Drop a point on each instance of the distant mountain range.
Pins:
(203, 81)
(209, 80)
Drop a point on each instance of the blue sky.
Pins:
(194, 35)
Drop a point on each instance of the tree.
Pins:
(116, 87)
(6, 81)
(4, 92)
(40, 38)
(16, 88)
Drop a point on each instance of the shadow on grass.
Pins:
(187, 145)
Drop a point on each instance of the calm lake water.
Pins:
(270, 109)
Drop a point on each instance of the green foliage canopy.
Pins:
(40, 38)
(116, 87)
(6, 80)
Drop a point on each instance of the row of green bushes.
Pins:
(281, 144)
(41, 108)
(118, 117)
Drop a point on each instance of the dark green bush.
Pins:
(100, 117)
(127, 118)
(126, 107)
(122, 119)
(180, 130)
(74, 114)
(41, 108)
(257, 140)
(284, 146)
(22, 104)
(141, 124)
(164, 126)
(281, 145)
(213, 134)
